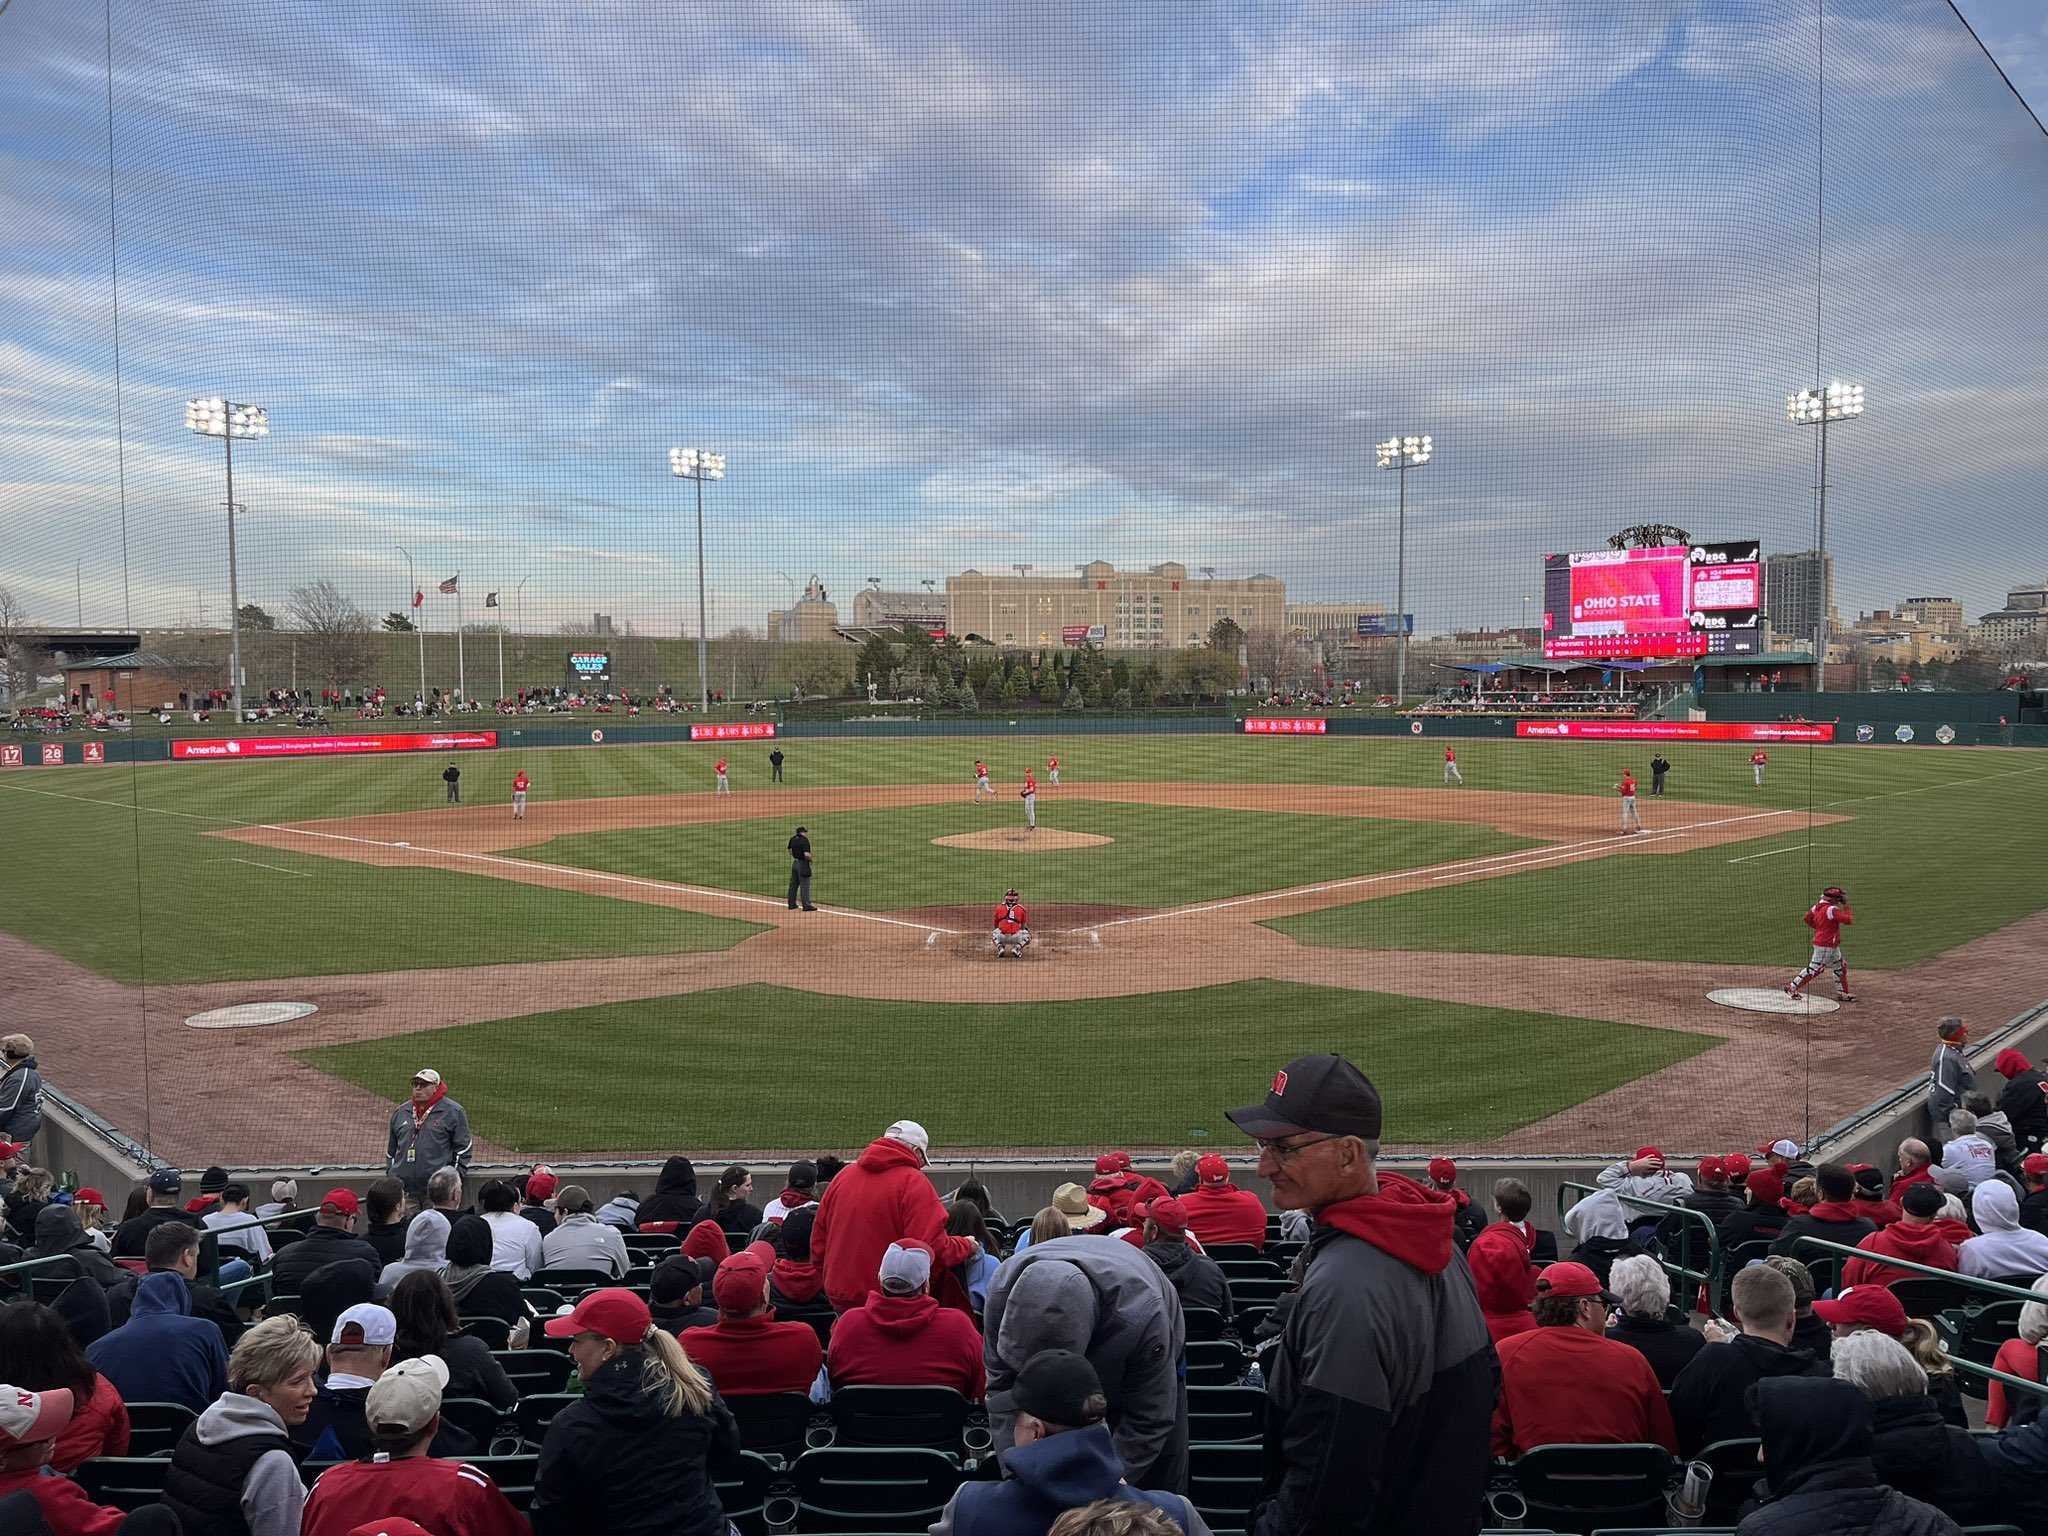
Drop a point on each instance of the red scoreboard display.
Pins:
(1681, 600)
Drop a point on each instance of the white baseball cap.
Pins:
(29, 1417)
(405, 1397)
(365, 1325)
(428, 1076)
(906, 1268)
(910, 1133)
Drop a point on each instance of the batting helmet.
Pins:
(1835, 893)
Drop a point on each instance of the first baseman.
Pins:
(1827, 918)
(1030, 796)
(1630, 821)
(1757, 759)
(724, 784)
(1451, 774)
(981, 783)
(1052, 769)
(519, 786)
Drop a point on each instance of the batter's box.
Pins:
(1770, 1000)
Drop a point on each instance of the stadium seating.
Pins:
(920, 1416)
(1736, 1470)
(536, 1412)
(474, 1416)
(772, 1423)
(571, 1282)
(869, 1489)
(1214, 1363)
(536, 1370)
(154, 1428)
(1928, 1297)
(126, 1482)
(1202, 1323)
(494, 1331)
(744, 1496)
(1223, 1415)
(1224, 1481)
(1588, 1487)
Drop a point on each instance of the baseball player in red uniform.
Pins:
(520, 782)
(1451, 774)
(981, 783)
(1630, 821)
(1011, 931)
(1052, 770)
(1827, 918)
(1757, 759)
(1030, 796)
(724, 784)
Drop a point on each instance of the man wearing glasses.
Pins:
(1380, 1395)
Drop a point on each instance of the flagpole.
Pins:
(501, 655)
(461, 676)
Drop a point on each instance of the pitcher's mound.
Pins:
(1017, 840)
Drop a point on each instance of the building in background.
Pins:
(1160, 608)
(879, 608)
(1943, 615)
(1338, 623)
(2020, 624)
(1798, 589)
(813, 618)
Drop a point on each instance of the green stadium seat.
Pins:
(1261, 1291)
(1203, 1323)
(535, 1413)
(494, 1331)
(1224, 1481)
(474, 1416)
(126, 1482)
(1214, 1363)
(1235, 1270)
(536, 1370)
(924, 1416)
(1224, 1253)
(1925, 1296)
(572, 1282)
(1226, 1415)
(1736, 1470)
(871, 1489)
(155, 1428)
(772, 1423)
(1588, 1487)
(743, 1495)
(513, 1474)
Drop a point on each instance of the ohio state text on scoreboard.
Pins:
(1681, 600)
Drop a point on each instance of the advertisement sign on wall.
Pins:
(327, 746)
(590, 663)
(1313, 726)
(739, 730)
(1676, 730)
(10, 756)
(95, 751)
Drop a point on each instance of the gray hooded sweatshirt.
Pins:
(426, 1249)
(1103, 1299)
(273, 1495)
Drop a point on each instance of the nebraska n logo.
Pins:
(1279, 1082)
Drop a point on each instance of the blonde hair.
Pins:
(1925, 1346)
(1050, 1223)
(2034, 1315)
(271, 1352)
(17, 1047)
(1184, 1164)
(1114, 1517)
(35, 1184)
(1805, 1191)
(669, 1371)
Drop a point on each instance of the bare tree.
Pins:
(19, 660)
(1276, 656)
(819, 669)
(752, 658)
(339, 646)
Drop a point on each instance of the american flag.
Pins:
(418, 597)
(490, 599)
(449, 584)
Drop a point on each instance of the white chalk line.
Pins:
(1772, 853)
(299, 874)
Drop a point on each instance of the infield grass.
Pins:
(999, 1075)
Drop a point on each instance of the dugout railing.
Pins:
(1705, 1280)
(18, 1277)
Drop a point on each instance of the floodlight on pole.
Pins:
(417, 614)
(1402, 454)
(1822, 408)
(699, 465)
(229, 420)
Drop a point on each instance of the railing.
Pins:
(1710, 1277)
(209, 1253)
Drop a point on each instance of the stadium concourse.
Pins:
(864, 1350)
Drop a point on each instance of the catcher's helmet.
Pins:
(1836, 893)
(1010, 894)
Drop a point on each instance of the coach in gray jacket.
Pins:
(1105, 1300)
(1948, 1076)
(429, 1132)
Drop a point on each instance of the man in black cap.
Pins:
(1064, 1457)
(1380, 1395)
(800, 870)
(131, 1238)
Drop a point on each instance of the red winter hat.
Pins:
(1113, 1162)
(1212, 1168)
(342, 1200)
(706, 1240)
(615, 1313)
(1871, 1306)
(1442, 1170)
(1168, 1212)
(2010, 1063)
(541, 1184)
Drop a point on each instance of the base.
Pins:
(1770, 1000)
(250, 1015)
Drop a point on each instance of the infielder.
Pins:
(1029, 793)
(981, 783)
(1630, 821)
(724, 784)
(519, 786)
(1827, 918)
(1757, 759)
(1052, 770)
(1451, 774)
(1011, 934)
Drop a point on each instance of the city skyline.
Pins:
(982, 294)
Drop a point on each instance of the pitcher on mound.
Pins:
(1827, 918)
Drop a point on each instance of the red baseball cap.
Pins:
(1712, 1168)
(1643, 1152)
(1212, 1168)
(91, 1196)
(1443, 1169)
(12, 1148)
(1869, 1306)
(541, 1184)
(1736, 1165)
(1168, 1212)
(342, 1200)
(737, 1285)
(1113, 1162)
(1569, 1279)
(1783, 1147)
(2034, 1162)
(613, 1313)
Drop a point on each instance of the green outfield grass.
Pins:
(885, 860)
(980, 1075)
(1926, 868)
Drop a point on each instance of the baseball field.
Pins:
(618, 973)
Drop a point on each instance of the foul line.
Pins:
(299, 874)
(1771, 854)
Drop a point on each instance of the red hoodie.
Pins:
(65, 1507)
(907, 1341)
(1504, 1278)
(1121, 1194)
(1405, 1220)
(706, 1240)
(1921, 1175)
(1920, 1241)
(1223, 1213)
(750, 1355)
(794, 1282)
(882, 1197)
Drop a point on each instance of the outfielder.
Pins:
(519, 786)
(1052, 770)
(1029, 793)
(1757, 759)
(724, 784)
(1630, 821)
(981, 783)
(1827, 918)
(1451, 774)
(1010, 935)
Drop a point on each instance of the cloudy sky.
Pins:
(957, 285)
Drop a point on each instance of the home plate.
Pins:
(250, 1015)
(1770, 1000)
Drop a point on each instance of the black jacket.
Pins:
(1827, 1227)
(1760, 1224)
(57, 1231)
(1710, 1398)
(1668, 1346)
(1817, 1466)
(1198, 1278)
(131, 1238)
(493, 1295)
(675, 1196)
(2034, 1211)
(736, 1221)
(1471, 1221)
(388, 1239)
(335, 1429)
(2026, 1107)
(1927, 1458)
(1814, 1336)
(615, 1462)
(320, 1247)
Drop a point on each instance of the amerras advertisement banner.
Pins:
(1270, 727)
(1677, 730)
(328, 746)
(739, 730)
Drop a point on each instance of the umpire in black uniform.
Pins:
(800, 870)
(1658, 768)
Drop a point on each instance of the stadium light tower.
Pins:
(698, 465)
(228, 420)
(1820, 408)
(1402, 454)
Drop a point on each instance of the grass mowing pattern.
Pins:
(981, 1075)
(884, 860)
